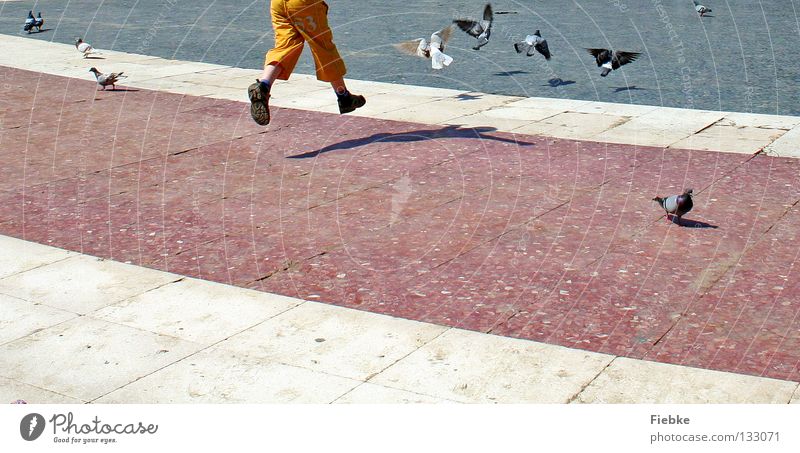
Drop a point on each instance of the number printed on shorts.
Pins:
(306, 24)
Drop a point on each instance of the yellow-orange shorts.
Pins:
(299, 21)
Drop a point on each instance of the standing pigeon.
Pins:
(702, 10)
(29, 22)
(83, 47)
(38, 22)
(434, 50)
(676, 205)
(612, 59)
(105, 80)
(480, 29)
(531, 43)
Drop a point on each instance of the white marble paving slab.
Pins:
(86, 358)
(639, 381)
(19, 255)
(11, 391)
(224, 377)
(82, 284)
(196, 310)
(334, 340)
(472, 367)
(368, 393)
(19, 318)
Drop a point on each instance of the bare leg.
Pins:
(339, 87)
(271, 73)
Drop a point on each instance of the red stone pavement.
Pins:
(524, 236)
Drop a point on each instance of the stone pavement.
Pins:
(448, 220)
(81, 329)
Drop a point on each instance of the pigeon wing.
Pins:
(600, 55)
(472, 27)
(488, 15)
(441, 37)
(411, 47)
(522, 46)
(623, 58)
(542, 48)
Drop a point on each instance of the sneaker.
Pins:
(349, 103)
(259, 103)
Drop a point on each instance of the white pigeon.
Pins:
(83, 47)
(105, 80)
(701, 10)
(434, 50)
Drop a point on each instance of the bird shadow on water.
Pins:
(452, 131)
(90, 57)
(557, 82)
(510, 73)
(628, 88)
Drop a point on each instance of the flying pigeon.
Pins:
(30, 21)
(38, 22)
(610, 59)
(676, 205)
(83, 47)
(433, 49)
(702, 10)
(105, 80)
(481, 29)
(531, 43)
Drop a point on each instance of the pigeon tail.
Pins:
(605, 72)
(438, 59)
(520, 46)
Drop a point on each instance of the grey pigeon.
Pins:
(612, 59)
(676, 205)
(701, 10)
(38, 22)
(30, 21)
(433, 50)
(533, 43)
(83, 47)
(105, 80)
(480, 29)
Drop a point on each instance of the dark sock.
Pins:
(343, 95)
(264, 84)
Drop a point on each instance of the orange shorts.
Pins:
(299, 21)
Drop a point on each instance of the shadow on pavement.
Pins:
(452, 131)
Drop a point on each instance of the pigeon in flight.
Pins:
(532, 43)
(612, 59)
(480, 29)
(702, 10)
(38, 22)
(676, 205)
(434, 50)
(105, 80)
(83, 47)
(30, 21)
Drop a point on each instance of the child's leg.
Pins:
(312, 22)
(310, 17)
(271, 73)
(281, 60)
